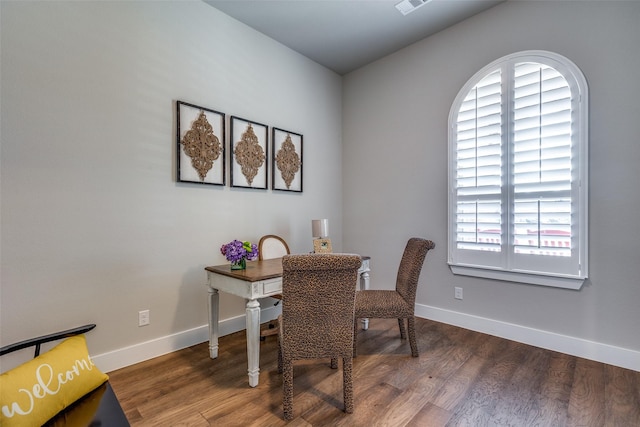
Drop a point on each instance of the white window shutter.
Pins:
(479, 166)
(541, 166)
(518, 171)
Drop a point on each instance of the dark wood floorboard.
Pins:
(462, 378)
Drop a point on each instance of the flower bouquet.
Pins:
(238, 253)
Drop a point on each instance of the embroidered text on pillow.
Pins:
(34, 392)
(45, 385)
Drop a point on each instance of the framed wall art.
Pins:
(287, 160)
(200, 144)
(249, 152)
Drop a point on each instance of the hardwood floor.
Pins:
(462, 378)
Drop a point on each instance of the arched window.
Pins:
(518, 147)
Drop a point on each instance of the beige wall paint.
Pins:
(94, 225)
(395, 143)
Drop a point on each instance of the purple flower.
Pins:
(236, 250)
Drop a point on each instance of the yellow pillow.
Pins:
(35, 391)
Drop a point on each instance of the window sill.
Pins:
(574, 283)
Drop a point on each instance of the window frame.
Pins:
(502, 269)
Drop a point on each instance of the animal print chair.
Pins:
(398, 303)
(318, 292)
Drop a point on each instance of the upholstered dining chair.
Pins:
(271, 246)
(318, 291)
(398, 303)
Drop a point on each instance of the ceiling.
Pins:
(344, 35)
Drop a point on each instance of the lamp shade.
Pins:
(320, 228)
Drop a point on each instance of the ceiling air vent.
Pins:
(407, 6)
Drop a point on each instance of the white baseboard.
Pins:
(605, 353)
(612, 355)
(137, 353)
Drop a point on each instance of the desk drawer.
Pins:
(271, 287)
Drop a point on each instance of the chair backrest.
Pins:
(272, 246)
(411, 266)
(318, 291)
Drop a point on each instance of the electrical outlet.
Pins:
(457, 293)
(143, 318)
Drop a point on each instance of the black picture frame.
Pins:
(248, 144)
(195, 164)
(287, 149)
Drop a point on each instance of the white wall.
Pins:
(395, 144)
(94, 226)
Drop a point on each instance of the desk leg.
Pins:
(364, 285)
(214, 299)
(253, 341)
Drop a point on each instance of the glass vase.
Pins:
(240, 265)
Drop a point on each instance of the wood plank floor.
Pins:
(462, 378)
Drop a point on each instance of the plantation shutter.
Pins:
(479, 167)
(518, 172)
(541, 161)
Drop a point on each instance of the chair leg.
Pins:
(287, 385)
(279, 359)
(347, 379)
(334, 363)
(403, 330)
(412, 336)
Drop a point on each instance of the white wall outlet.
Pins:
(457, 293)
(143, 318)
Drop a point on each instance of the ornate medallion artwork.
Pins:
(288, 161)
(201, 145)
(249, 154)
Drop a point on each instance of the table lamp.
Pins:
(320, 231)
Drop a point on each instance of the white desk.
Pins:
(260, 279)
